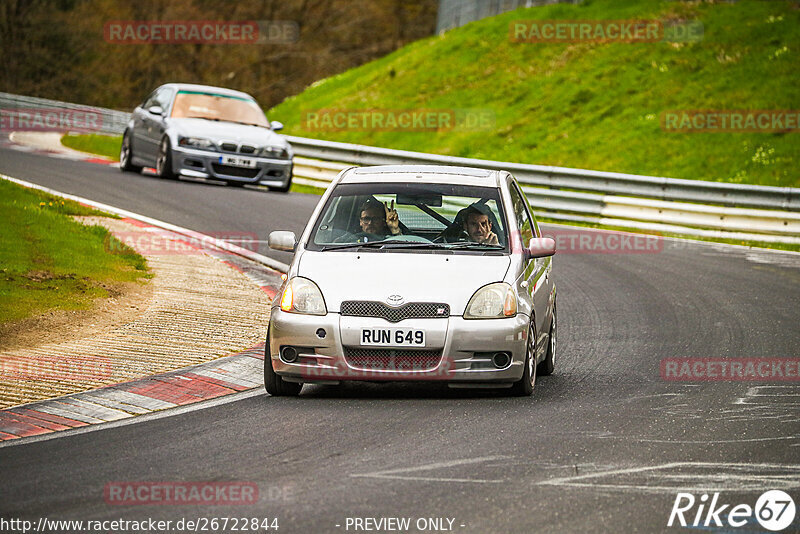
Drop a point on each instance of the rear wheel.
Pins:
(126, 155)
(164, 160)
(273, 383)
(548, 365)
(524, 386)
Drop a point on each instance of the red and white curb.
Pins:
(224, 376)
(210, 380)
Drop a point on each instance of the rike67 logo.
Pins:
(774, 510)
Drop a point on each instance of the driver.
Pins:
(478, 226)
(378, 221)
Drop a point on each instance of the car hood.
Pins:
(227, 131)
(447, 278)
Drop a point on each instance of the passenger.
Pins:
(478, 226)
(378, 221)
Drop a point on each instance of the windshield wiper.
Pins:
(215, 119)
(396, 243)
(476, 244)
(358, 245)
(387, 243)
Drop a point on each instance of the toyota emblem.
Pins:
(395, 300)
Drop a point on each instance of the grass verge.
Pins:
(588, 104)
(102, 145)
(52, 262)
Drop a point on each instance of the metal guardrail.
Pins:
(736, 210)
(628, 212)
(107, 121)
(751, 196)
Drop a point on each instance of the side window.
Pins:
(536, 231)
(522, 216)
(150, 100)
(163, 98)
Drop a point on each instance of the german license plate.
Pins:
(238, 161)
(392, 337)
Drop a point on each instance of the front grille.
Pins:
(392, 359)
(412, 310)
(247, 149)
(230, 147)
(230, 170)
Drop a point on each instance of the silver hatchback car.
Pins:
(415, 273)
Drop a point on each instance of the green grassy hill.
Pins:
(588, 104)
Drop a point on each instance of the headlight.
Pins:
(301, 295)
(493, 301)
(275, 152)
(196, 142)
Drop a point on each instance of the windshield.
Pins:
(411, 216)
(215, 107)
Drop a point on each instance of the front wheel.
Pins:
(164, 160)
(273, 383)
(524, 386)
(126, 155)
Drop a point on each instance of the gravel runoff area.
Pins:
(202, 306)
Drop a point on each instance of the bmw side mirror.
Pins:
(276, 125)
(156, 110)
(540, 248)
(285, 241)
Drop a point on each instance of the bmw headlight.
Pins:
(493, 301)
(301, 295)
(277, 152)
(196, 142)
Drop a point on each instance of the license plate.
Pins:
(237, 161)
(392, 337)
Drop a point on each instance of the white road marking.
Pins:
(395, 473)
(724, 480)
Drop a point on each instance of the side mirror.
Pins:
(540, 248)
(156, 110)
(285, 241)
(276, 125)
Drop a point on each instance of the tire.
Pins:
(164, 160)
(273, 383)
(548, 365)
(126, 155)
(524, 386)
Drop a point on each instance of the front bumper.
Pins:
(205, 164)
(466, 347)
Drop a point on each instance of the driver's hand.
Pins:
(492, 239)
(392, 220)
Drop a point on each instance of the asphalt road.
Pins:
(604, 445)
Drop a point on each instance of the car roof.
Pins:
(208, 88)
(440, 174)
